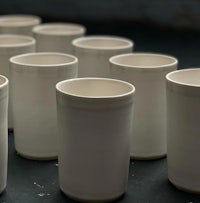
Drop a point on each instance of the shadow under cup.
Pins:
(95, 122)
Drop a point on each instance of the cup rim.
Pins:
(156, 67)
(30, 40)
(76, 42)
(5, 83)
(40, 29)
(34, 20)
(13, 59)
(179, 82)
(128, 93)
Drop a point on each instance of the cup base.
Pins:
(184, 188)
(46, 158)
(79, 199)
(2, 190)
(10, 131)
(153, 157)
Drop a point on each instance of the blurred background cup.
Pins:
(146, 71)
(183, 115)
(95, 122)
(11, 45)
(33, 80)
(3, 132)
(94, 52)
(18, 24)
(57, 36)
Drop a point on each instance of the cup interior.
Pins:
(60, 29)
(20, 20)
(185, 77)
(143, 60)
(95, 87)
(15, 40)
(3, 81)
(44, 59)
(102, 42)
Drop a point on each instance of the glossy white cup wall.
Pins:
(18, 24)
(3, 132)
(11, 45)
(33, 80)
(146, 72)
(95, 122)
(183, 131)
(57, 37)
(94, 52)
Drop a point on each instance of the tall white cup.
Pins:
(3, 132)
(95, 123)
(94, 52)
(18, 24)
(183, 131)
(146, 72)
(11, 45)
(33, 80)
(57, 37)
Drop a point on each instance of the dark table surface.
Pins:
(37, 181)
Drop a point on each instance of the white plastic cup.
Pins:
(94, 52)
(11, 45)
(3, 132)
(18, 24)
(57, 37)
(33, 80)
(146, 71)
(183, 131)
(95, 123)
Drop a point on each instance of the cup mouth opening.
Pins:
(3, 81)
(102, 43)
(144, 60)
(59, 29)
(11, 40)
(13, 20)
(95, 88)
(185, 77)
(44, 59)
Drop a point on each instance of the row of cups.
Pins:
(96, 107)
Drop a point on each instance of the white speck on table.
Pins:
(38, 185)
(42, 194)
